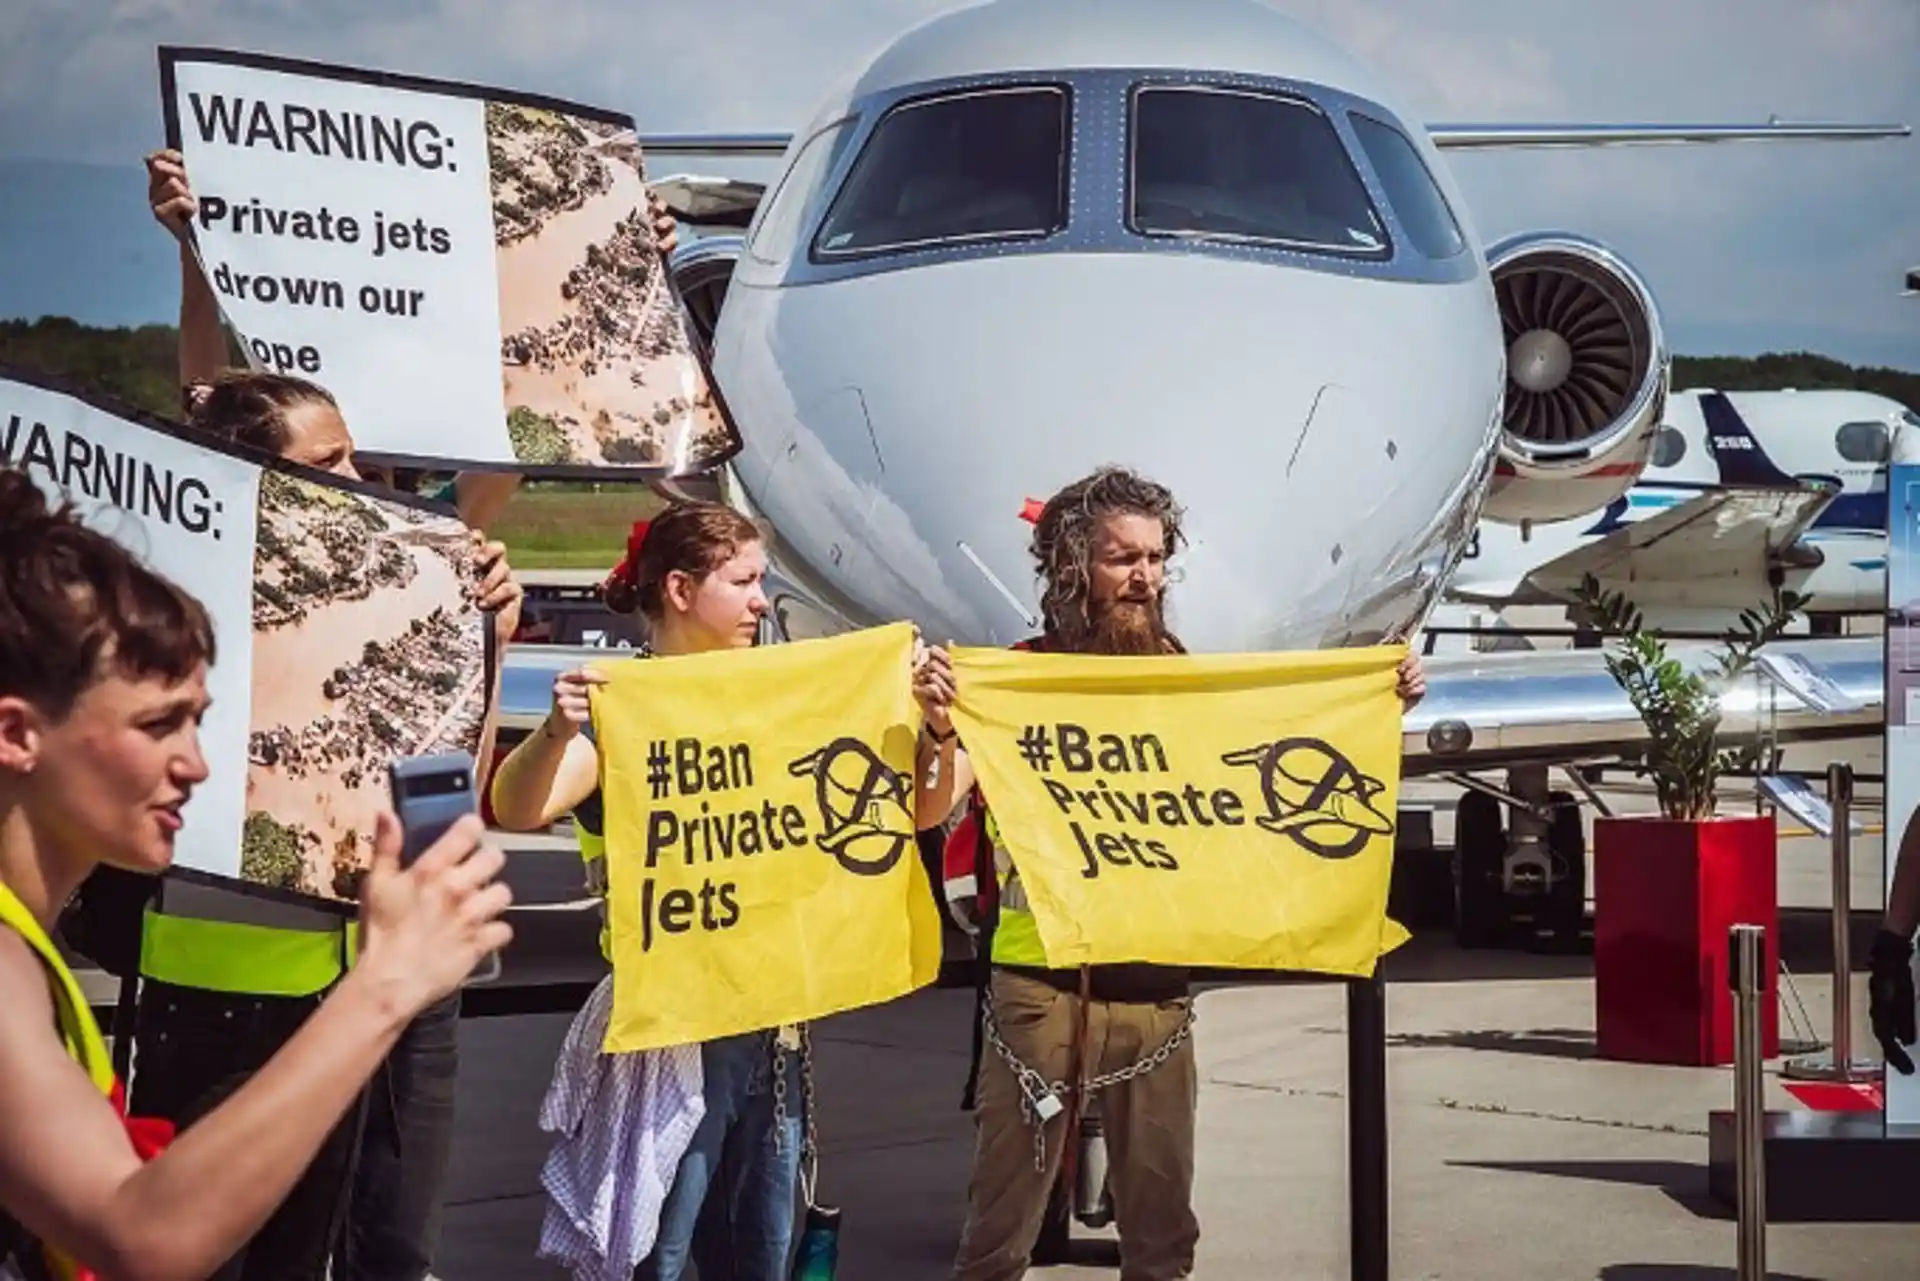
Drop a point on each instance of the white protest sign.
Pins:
(344, 622)
(471, 272)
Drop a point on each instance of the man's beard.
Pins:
(1129, 627)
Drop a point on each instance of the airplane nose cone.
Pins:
(1316, 489)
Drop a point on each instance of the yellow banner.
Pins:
(1234, 811)
(761, 861)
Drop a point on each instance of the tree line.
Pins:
(141, 366)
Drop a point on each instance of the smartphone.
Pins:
(431, 794)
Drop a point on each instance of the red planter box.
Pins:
(1665, 895)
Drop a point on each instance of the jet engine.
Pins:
(1587, 377)
(702, 269)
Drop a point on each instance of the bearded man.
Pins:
(1102, 546)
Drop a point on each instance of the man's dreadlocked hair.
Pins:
(1063, 541)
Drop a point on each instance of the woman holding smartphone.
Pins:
(103, 667)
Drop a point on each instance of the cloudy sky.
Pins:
(1748, 248)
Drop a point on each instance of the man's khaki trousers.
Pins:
(1148, 1124)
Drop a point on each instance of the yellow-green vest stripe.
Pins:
(593, 852)
(240, 959)
(1016, 934)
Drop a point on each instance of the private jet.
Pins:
(1034, 236)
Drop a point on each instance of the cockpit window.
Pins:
(1410, 188)
(978, 165)
(779, 229)
(1233, 164)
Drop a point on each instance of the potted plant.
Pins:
(1667, 887)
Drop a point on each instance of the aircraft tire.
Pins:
(1566, 914)
(1479, 843)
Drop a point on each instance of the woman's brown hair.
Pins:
(250, 406)
(691, 538)
(74, 604)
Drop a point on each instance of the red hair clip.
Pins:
(1030, 511)
(630, 565)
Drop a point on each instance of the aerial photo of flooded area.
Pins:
(366, 647)
(597, 357)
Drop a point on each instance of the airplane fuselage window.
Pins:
(1669, 447)
(1411, 191)
(1241, 165)
(972, 165)
(780, 227)
(1863, 442)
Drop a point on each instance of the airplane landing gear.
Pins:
(1524, 882)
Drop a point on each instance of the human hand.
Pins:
(424, 928)
(933, 685)
(1412, 686)
(497, 591)
(571, 706)
(168, 193)
(666, 231)
(1891, 997)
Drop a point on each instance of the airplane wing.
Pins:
(1481, 710)
(1489, 137)
(1487, 711)
(715, 144)
(1714, 551)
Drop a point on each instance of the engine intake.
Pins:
(1587, 377)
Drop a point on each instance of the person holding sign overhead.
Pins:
(1102, 545)
(103, 683)
(696, 573)
(228, 980)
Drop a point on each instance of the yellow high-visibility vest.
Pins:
(78, 1030)
(1016, 934)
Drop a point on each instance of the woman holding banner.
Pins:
(102, 686)
(710, 1141)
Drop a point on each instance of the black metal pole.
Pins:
(1367, 1127)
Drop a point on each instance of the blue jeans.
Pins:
(392, 1221)
(731, 1207)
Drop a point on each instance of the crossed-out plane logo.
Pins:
(856, 791)
(1316, 797)
(711, 810)
(1127, 805)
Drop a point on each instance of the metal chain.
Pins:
(1035, 1088)
(810, 1136)
(810, 1142)
(779, 1092)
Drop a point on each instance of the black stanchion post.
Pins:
(1367, 1127)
